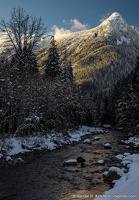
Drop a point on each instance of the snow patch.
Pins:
(120, 156)
(134, 140)
(123, 40)
(15, 145)
(71, 161)
(118, 170)
(107, 125)
(87, 141)
(100, 162)
(8, 158)
(105, 173)
(69, 45)
(96, 138)
(84, 130)
(107, 145)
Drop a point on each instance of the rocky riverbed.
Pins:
(42, 175)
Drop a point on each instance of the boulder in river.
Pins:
(87, 141)
(101, 162)
(80, 159)
(113, 174)
(107, 146)
(82, 164)
(70, 162)
(96, 139)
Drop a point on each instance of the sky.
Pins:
(63, 16)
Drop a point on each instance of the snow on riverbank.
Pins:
(127, 187)
(134, 140)
(15, 145)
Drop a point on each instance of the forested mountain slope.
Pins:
(100, 56)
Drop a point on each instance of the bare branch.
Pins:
(23, 32)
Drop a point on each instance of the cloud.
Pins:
(78, 26)
(104, 17)
(74, 26)
(59, 32)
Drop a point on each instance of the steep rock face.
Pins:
(100, 56)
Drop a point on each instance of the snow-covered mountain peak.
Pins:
(116, 22)
(115, 16)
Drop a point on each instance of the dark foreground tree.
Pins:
(22, 35)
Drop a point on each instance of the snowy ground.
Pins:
(127, 187)
(15, 145)
(134, 140)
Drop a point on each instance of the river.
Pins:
(42, 176)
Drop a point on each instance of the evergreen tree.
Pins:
(67, 69)
(128, 107)
(52, 66)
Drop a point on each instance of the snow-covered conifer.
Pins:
(52, 64)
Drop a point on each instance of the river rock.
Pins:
(87, 141)
(82, 164)
(70, 162)
(101, 162)
(80, 159)
(122, 142)
(111, 176)
(107, 146)
(96, 139)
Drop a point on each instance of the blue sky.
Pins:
(73, 14)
